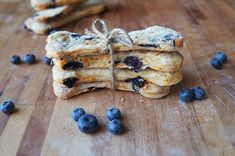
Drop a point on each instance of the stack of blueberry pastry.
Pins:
(51, 14)
(149, 66)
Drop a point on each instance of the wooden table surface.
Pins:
(164, 127)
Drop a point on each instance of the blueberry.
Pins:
(167, 37)
(221, 56)
(52, 31)
(25, 27)
(149, 45)
(216, 63)
(117, 61)
(186, 95)
(91, 88)
(113, 113)
(137, 83)
(47, 61)
(69, 82)
(15, 59)
(89, 38)
(198, 93)
(116, 126)
(75, 35)
(29, 59)
(7, 107)
(88, 123)
(77, 113)
(73, 65)
(134, 63)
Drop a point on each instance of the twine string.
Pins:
(100, 28)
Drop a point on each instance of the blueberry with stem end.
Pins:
(198, 93)
(113, 113)
(77, 113)
(88, 123)
(221, 56)
(29, 59)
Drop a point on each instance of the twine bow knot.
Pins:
(110, 37)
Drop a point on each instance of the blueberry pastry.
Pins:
(147, 61)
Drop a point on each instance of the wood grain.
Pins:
(165, 127)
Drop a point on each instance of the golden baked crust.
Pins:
(154, 38)
(149, 90)
(96, 75)
(160, 61)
